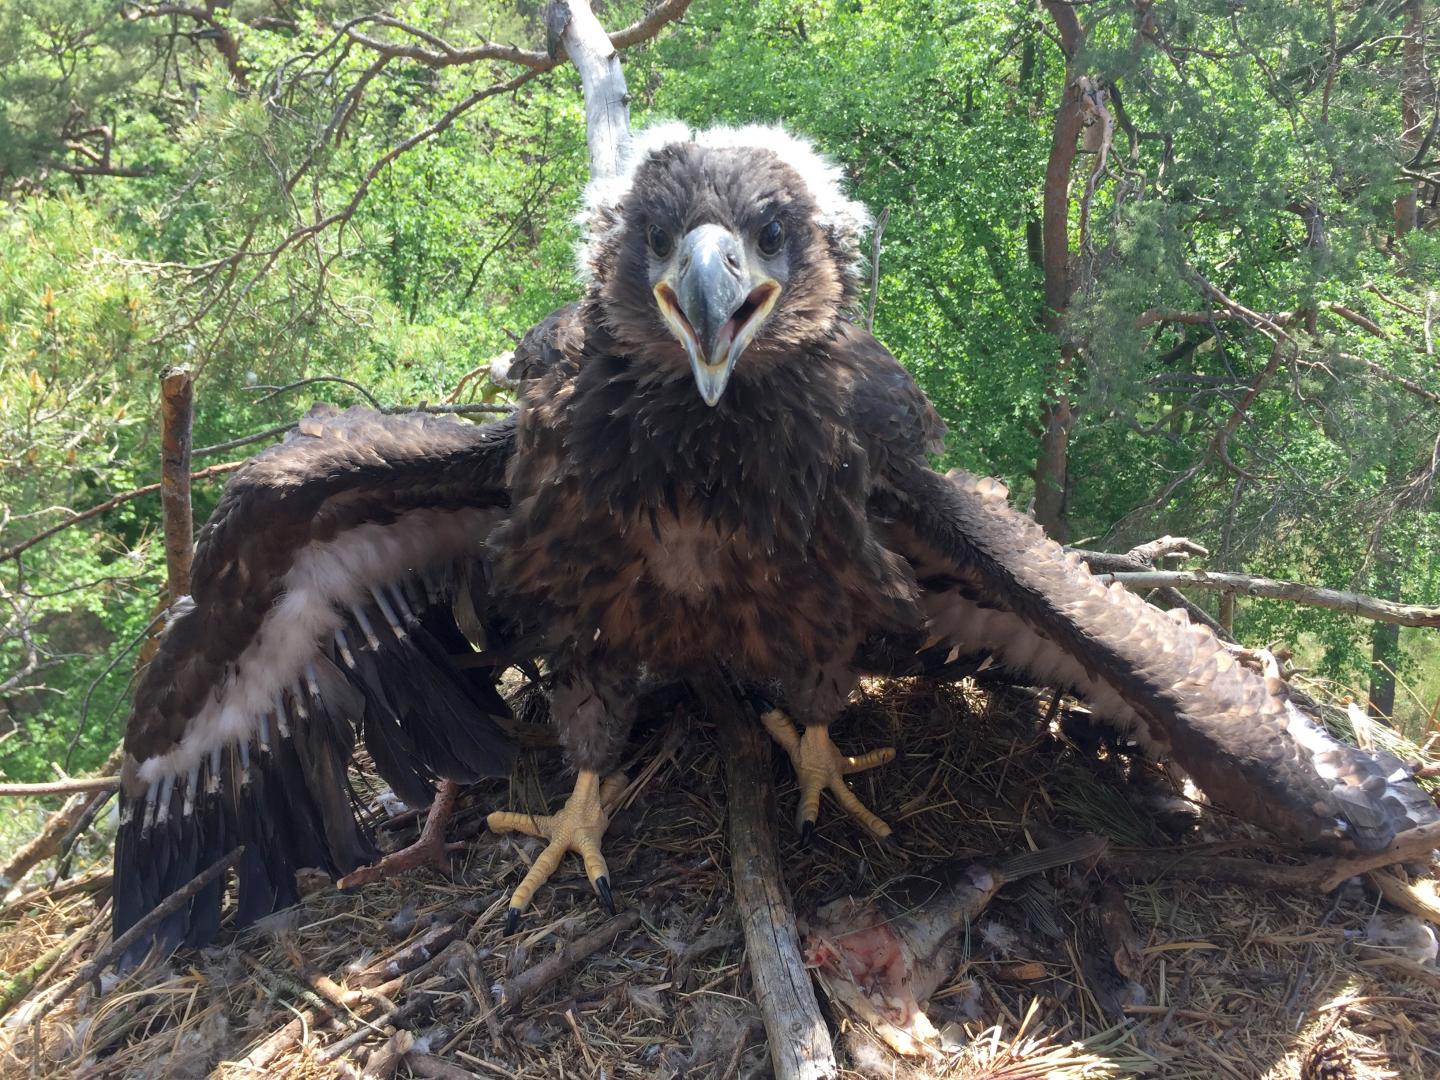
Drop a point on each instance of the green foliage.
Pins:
(1263, 161)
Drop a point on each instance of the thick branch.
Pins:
(1367, 607)
(607, 101)
(799, 1041)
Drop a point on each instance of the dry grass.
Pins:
(1220, 982)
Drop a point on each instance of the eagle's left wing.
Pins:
(993, 583)
(326, 591)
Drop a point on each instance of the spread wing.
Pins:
(325, 589)
(994, 584)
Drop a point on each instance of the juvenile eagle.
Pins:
(712, 465)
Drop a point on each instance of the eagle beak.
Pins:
(713, 304)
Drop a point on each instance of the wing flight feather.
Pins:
(323, 606)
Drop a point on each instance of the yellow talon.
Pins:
(578, 827)
(820, 766)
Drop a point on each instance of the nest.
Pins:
(1070, 974)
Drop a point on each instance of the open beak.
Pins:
(714, 304)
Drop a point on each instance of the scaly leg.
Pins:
(819, 766)
(578, 827)
(429, 850)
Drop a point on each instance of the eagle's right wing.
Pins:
(995, 584)
(325, 593)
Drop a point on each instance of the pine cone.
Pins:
(1328, 1060)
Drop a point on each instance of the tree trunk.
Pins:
(177, 391)
(1412, 85)
(1057, 417)
(1384, 654)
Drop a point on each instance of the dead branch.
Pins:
(108, 505)
(230, 466)
(62, 787)
(563, 960)
(800, 1047)
(167, 907)
(1166, 546)
(177, 402)
(205, 15)
(442, 54)
(372, 987)
(607, 102)
(1350, 315)
(52, 834)
(1350, 603)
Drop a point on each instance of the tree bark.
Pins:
(607, 101)
(799, 1041)
(177, 399)
(1412, 85)
(1057, 416)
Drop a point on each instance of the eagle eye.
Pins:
(771, 237)
(659, 241)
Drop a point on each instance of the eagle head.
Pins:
(713, 244)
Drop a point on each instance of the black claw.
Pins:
(807, 833)
(759, 702)
(602, 886)
(512, 921)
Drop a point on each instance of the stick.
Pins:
(108, 505)
(531, 981)
(63, 787)
(177, 400)
(51, 835)
(167, 907)
(800, 1047)
(386, 976)
(1367, 607)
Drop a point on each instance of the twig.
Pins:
(531, 981)
(1350, 603)
(108, 505)
(245, 440)
(800, 1047)
(276, 391)
(94, 882)
(167, 907)
(66, 853)
(62, 787)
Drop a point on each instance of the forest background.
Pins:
(1166, 267)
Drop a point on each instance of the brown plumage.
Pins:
(712, 466)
